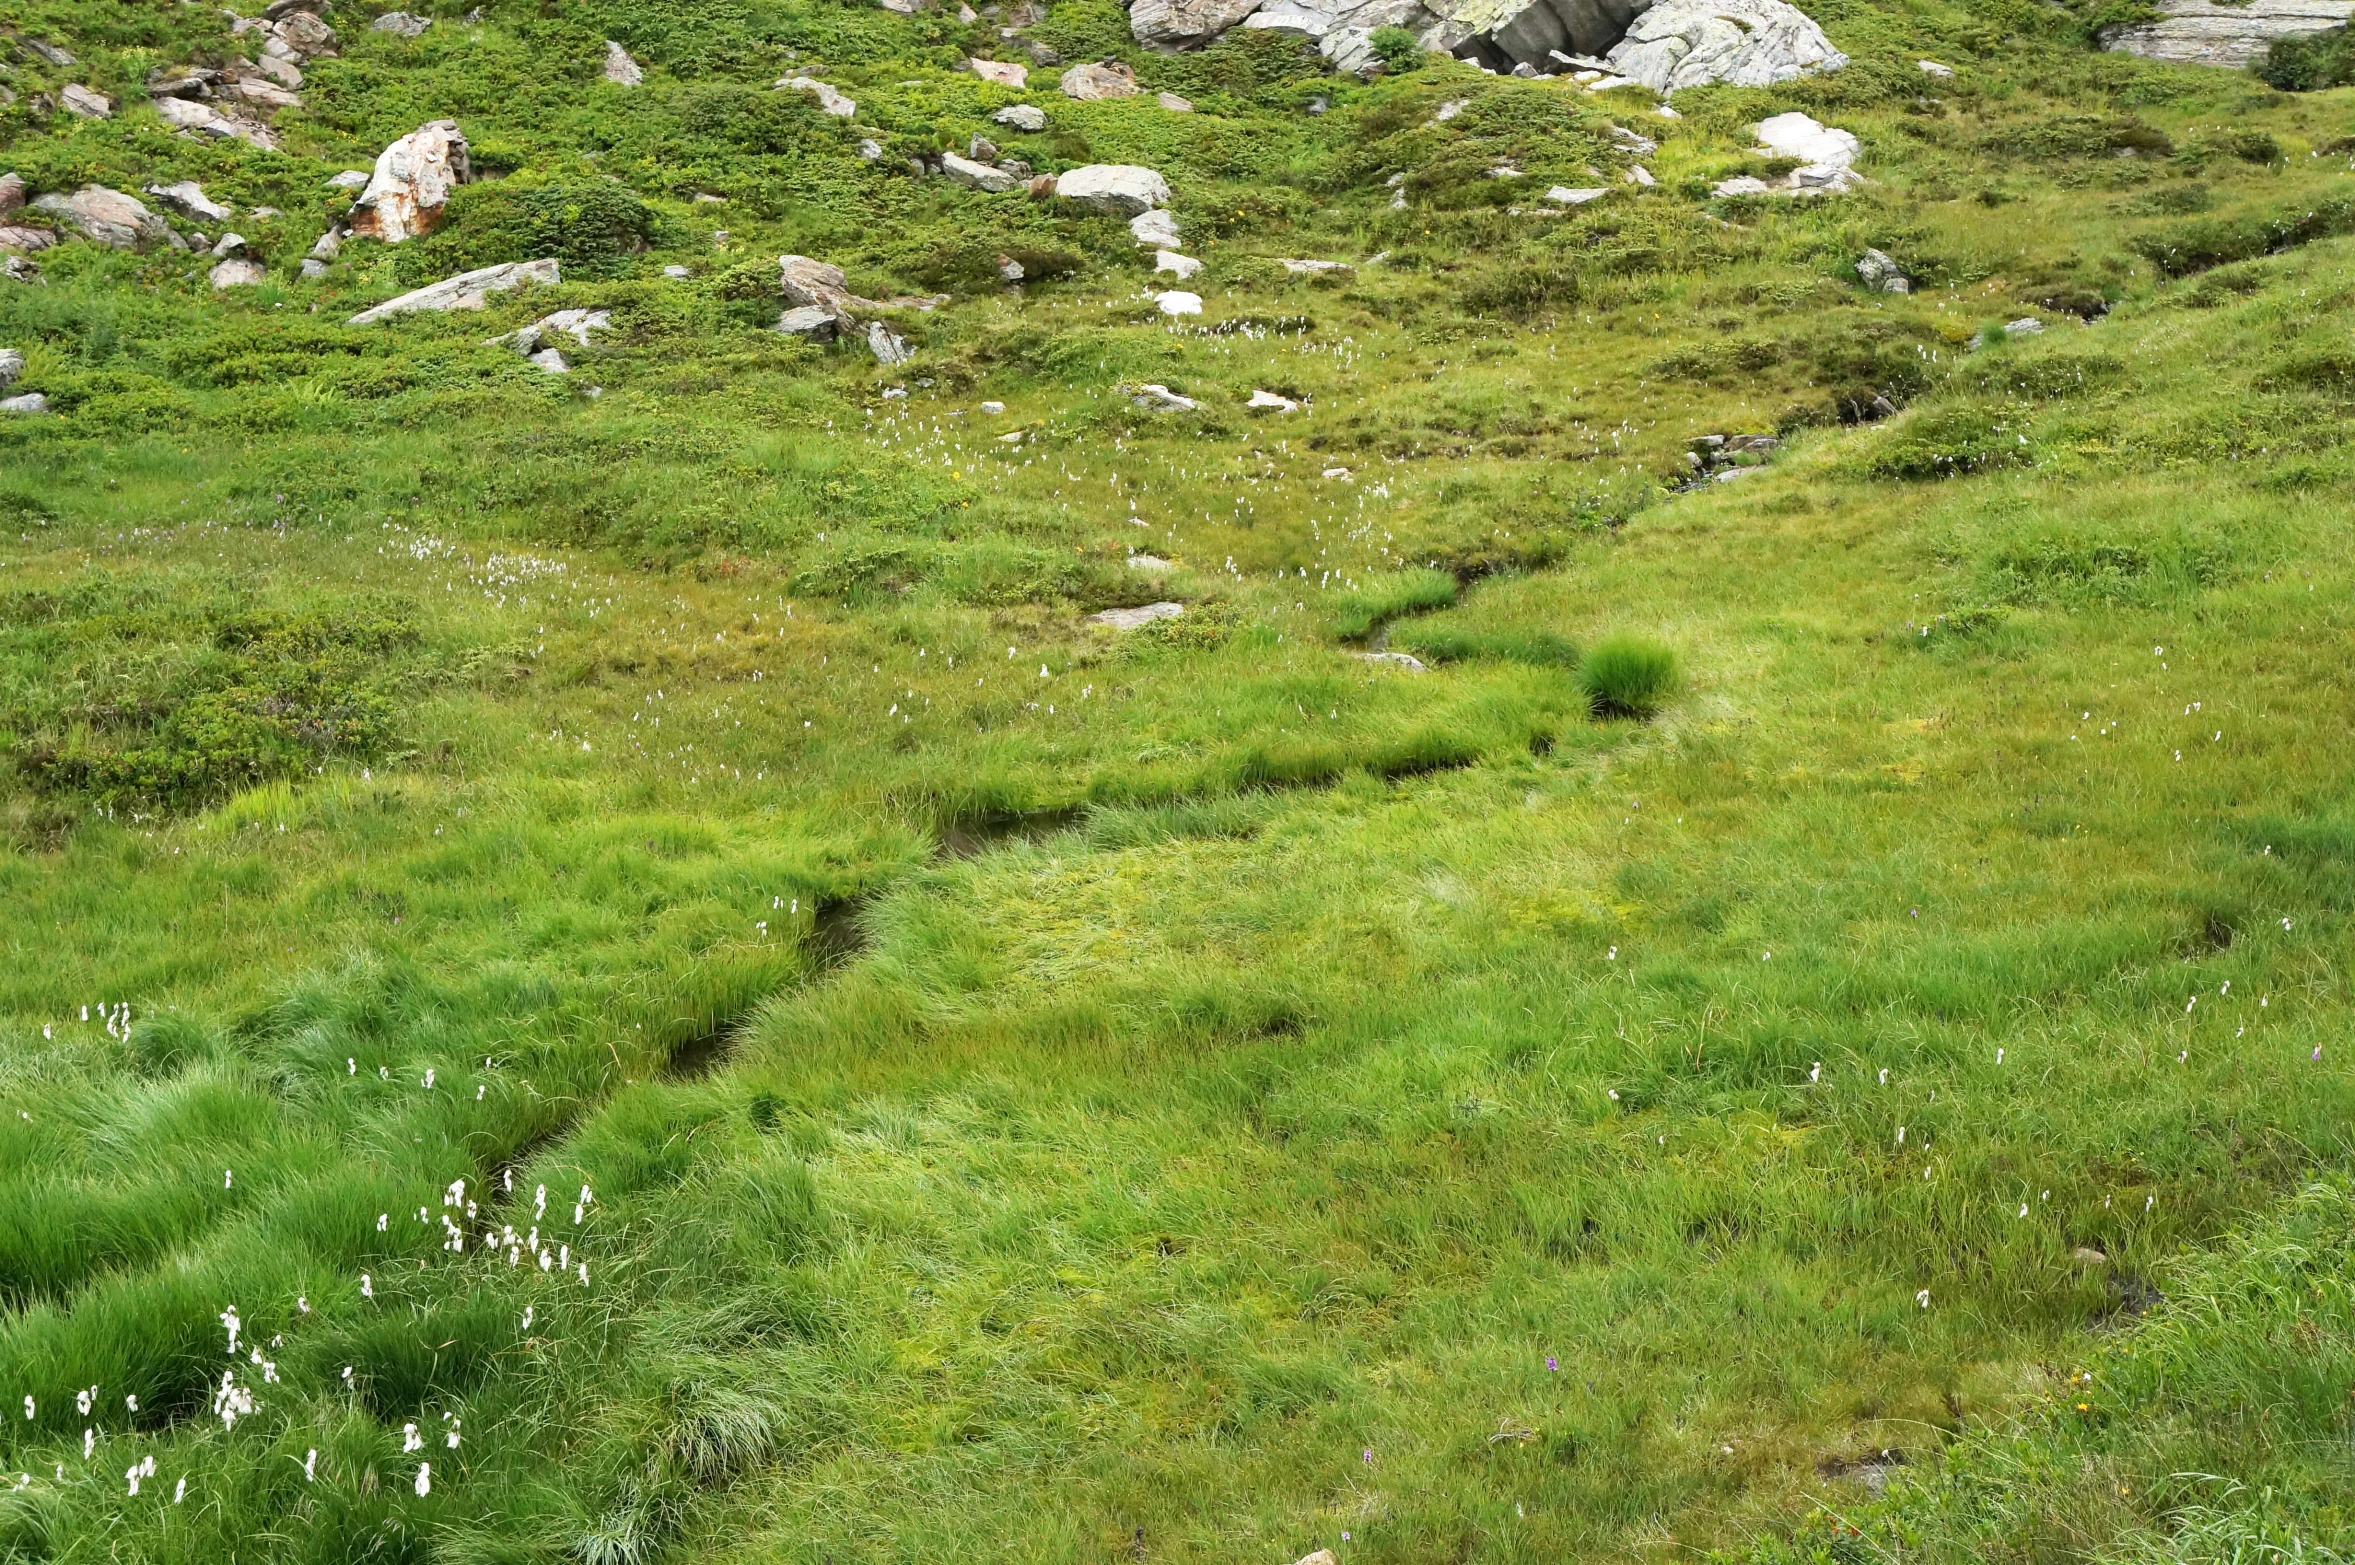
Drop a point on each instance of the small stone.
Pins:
(1103, 79)
(2025, 326)
(620, 69)
(401, 24)
(1741, 185)
(1299, 268)
(1173, 103)
(12, 194)
(1273, 403)
(1183, 267)
(83, 103)
(12, 367)
(811, 323)
(1640, 176)
(238, 271)
(1149, 562)
(1318, 105)
(551, 362)
(1022, 116)
(1178, 302)
(229, 244)
(831, 100)
(1450, 109)
(1563, 195)
(976, 176)
(1933, 68)
(1879, 273)
(982, 150)
(1137, 618)
(349, 179)
(677, 273)
(888, 348)
(993, 407)
(30, 402)
(1154, 230)
(314, 268)
(110, 218)
(1153, 397)
(1003, 72)
(870, 150)
(189, 200)
(1413, 665)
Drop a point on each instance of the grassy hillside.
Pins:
(1811, 965)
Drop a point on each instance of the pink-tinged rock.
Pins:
(412, 183)
(1004, 72)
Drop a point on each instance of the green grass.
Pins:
(1050, 1093)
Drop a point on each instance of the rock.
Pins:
(401, 24)
(1340, 473)
(189, 200)
(466, 291)
(814, 284)
(1269, 400)
(1022, 116)
(1720, 458)
(1183, 267)
(313, 268)
(993, 407)
(230, 244)
(2193, 32)
(15, 267)
(15, 240)
(1154, 230)
(12, 367)
(192, 118)
(1178, 302)
(280, 69)
(870, 150)
(54, 54)
(830, 99)
(350, 179)
(1173, 103)
(1137, 618)
(1017, 167)
(576, 324)
(1933, 68)
(262, 94)
(888, 348)
(1746, 185)
(811, 323)
(110, 218)
(1746, 43)
(1171, 25)
(1009, 270)
(1004, 72)
(1149, 562)
(82, 103)
(278, 10)
(1104, 79)
(549, 362)
(2026, 326)
(1117, 189)
(1314, 268)
(238, 271)
(329, 245)
(2087, 1255)
(1563, 195)
(1877, 272)
(412, 183)
(676, 273)
(620, 69)
(1637, 174)
(1413, 665)
(976, 176)
(302, 36)
(1449, 110)
(30, 402)
(186, 81)
(1826, 154)
(12, 194)
(1152, 397)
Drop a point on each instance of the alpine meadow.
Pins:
(1199, 782)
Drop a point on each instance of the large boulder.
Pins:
(1117, 189)
(1505, 33)
(976, 176)
(299, 36)
(110, 218)
(412, 183)
(1747, 43)
(466, 291)
(85, 103)
(2195, 32)
(1170, 25)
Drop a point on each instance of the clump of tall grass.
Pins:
(1627, 675)
(1356, 614)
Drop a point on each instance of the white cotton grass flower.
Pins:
(1922, 1298)
(180, 1491)
(311, 1465)
(424, 1479)
(230, 1320)
(1815, 1071)
(411, 1440)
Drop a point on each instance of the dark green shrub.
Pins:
(2309, 63)
(2195, 247)
(1396, 48)
(593, 228)
(1455, 644)
(1627, 675)
(1948, 442)
(1355, 614)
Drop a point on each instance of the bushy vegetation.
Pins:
(635, 938)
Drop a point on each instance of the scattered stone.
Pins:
(1827, 157)
(831, 100)
(550, 362)
(1022, 116)
(576, 324)
(350, 179)
(1877, 272)
(401, 24)
(189, 200)
(12, 194)
(1341, 473)
(1450, 109)
(1933, 68)
(1137, 618)
(230, 244)
(1171, 25)
(30, 402)
(1641, 176)
(1413, 665)
(1563, 195)
(2193, 32)
(1505, 171)
(54, 54)
(300, 36)
(993, 407)
(1744, 185)
(888, 348)
(1300, 268)
(870, 150)
(1178, 302)
(1009, 270)
(806, 282)
(12, 367)
(466, 291)
(280, 69)
(238, 271)
(1641, 145)
(313, 268)
(1149, 562)
(262, 94)
(1103, 79)
(1153, 397)
(192, 118)
(1004, 72)
(811, 323)
(329, 246)
(1320, 1557)
(16, 240)
(1154, 230)
(620, 69)
(1116, 189)
(82, 103)
(1173, 103)
(1183, 267)
(412, 183)
(976, 176)
(1721, 457)
(1268, 399)
(186, 81)
(110, 218)
(15, 267)
(2025, 326)
(676, 273)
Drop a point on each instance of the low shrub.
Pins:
(2187, 248)
(2309, 62)
(1947, 442)
(1627, 675)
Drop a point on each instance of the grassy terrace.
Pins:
(994, 1087)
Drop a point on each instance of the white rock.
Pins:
(1173, 103)
(401, 24)
(2025, 326)
(262, 94)
(1341, 473)
(1744, 185)
(1102, 79)
(466, 291)
(1022, 116)
(1137, 618)
(576, 324)
(110, 218)
(1269, 400)
(1170, 25)
(1612, 83)
(329, 245)
(1179, 302)
(30, 402)
(1450, 109)
(238, 271)
(1149, 562)
(1933, 68)
(830, 99)
(189, 200)
(192, 118)
(1827, 154)
(83, 103)
(1299, 268)
(1748, 43)
(976, 176)
(1881, 274)
(12, 367)
(620, 69)
(550, 362)
(1156, 398)
(993, 407)
(870, 150)
(228, 244)
(412, 183)
(811, 323)
(2193, 32)
(55, 54)
(313, 268)
(300, 36)
(350, 179)
(1412, 664)
(1119, 189)
(1006, 74)
(676, 273)
(1183, 267)
(280, 69)
(1637, 174)
(1154, 230)
(887, 347)
(1563, 195)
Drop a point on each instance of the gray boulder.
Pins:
(401, 24)
(193, 117)
(888, 347)
(83, 103)
(12, 367)
(189, 200)
(2195, 32)
(12, 194)
(1136, 618)
(1116, 189)
(812, 323)
(1103, 79)
(620, 69)
(238, 271)
(976, 176)
(466, 291)
(1170, 25)
(412, 183)
(110, 218)
(30, 402)
(1747, 43)
(1879, 273)
(1022, 116)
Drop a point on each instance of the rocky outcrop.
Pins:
(1004, 72)
(1827, 159)
(1022, 116)
(831, 100)
(401, 24)
(1117, 189)
(189, 200)
(83, 103)
(1185, 24)
(620, 69)
(110, 218)
(2195, 32)
(1103, 79)
(412, 183)
(1137, 618)
(194, 117)
(1747, 43)
(467, 291)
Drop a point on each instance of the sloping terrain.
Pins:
(1708, 883)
